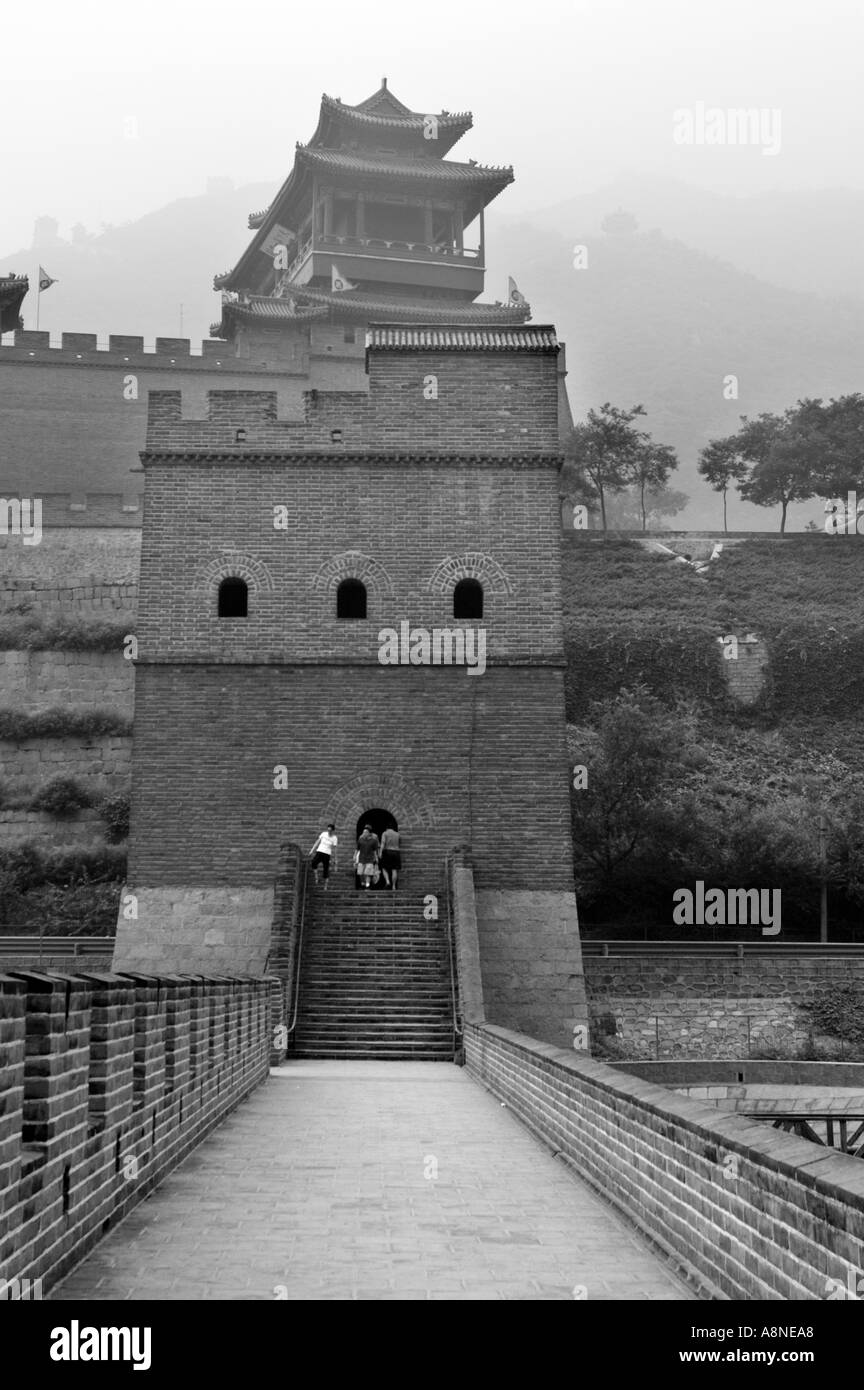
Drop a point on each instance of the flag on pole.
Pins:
(338, 281)
(514, 296)
(45, 281)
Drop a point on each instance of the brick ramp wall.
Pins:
(749, 1212)
(106, 1083)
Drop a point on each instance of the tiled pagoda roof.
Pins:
(304, 303)
(446, 170)
(383, 115)
(461, 337)
(491, 179)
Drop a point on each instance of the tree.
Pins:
(624, 511)
(649, 469)
(601, 449)
(778, 456)
(633, 756)
(834, 434)
(720, 464)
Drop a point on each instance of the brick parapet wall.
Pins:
(483, 402)
(106, 1082)
(747, 1212)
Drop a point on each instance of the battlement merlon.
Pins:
(122, 348)
(440, 390)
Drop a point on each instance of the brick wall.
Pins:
(66, 425)
(749, 1212)
(396, 527)
(106, 1083)
(708, 1007)
(747, 673)
(452, 757)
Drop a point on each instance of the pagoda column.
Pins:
(328, 212)
(459, 227)
(427, 224)
(361, 215)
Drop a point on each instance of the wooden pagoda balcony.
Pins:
(396, 262)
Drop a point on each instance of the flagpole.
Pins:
(38, 295)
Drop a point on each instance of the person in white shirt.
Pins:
(323, 853)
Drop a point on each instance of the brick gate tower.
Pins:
(356, 613)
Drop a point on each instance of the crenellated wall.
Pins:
(106, 1083)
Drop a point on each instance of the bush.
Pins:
(35, 634)
(16, 726)
(839, 1012)
(114, 811)
(61, 798)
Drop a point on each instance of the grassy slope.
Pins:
(632, 616)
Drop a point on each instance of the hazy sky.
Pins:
(110, 110)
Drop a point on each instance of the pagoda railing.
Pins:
(421, 250)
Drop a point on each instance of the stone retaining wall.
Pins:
(100, 764)
(87, 680)
(85, 830)
(719, 1007)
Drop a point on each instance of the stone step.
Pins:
(395, 1052)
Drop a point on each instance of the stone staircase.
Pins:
(374, 978)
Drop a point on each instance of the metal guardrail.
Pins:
(56, 945)
(837, 1127)
(676, 949)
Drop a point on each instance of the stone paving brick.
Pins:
(320, 1187)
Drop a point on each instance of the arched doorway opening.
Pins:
(380, 820)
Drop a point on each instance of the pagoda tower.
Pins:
(373, 224)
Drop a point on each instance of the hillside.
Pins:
(772, 234)
(655, 322)
(738, 791)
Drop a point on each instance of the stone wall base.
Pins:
(194, 930)
(531, 962)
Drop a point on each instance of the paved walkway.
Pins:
(372, 1180)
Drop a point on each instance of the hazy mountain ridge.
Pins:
(650, 319)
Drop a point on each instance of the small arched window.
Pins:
(351, 599)
(233, 598)
(468, 599)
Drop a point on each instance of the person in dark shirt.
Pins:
(367, 855)
(391, 857)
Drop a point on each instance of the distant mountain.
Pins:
(802, 241)
(134, 278)
(650, 320)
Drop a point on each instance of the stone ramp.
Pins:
(372, 1180)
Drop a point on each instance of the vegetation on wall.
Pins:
(60, 892)
(839, 1012)
(63, 797)
(73, 634)
(17, 726)
(114, 811)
